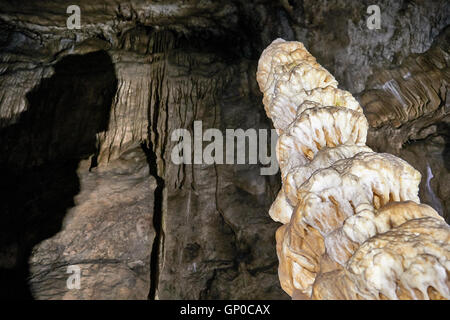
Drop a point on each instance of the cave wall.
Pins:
(138, 225)
(408, 111)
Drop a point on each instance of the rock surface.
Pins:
(166, 64)
(408, 109)
(108, 234)
(354, 216)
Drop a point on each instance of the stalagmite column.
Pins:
(353, 226)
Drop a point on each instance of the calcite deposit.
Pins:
(86, 117)
(353, 226)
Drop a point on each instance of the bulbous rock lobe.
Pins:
(353, 226)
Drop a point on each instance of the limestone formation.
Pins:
(354, 227)
(409, 106)
(86, 117)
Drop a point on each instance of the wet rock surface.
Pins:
(96, 150)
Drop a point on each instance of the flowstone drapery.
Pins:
(353, 226)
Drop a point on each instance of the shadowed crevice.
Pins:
(39, 157)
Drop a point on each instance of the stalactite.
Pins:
(354, 227)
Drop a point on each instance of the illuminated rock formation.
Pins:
(354, 227)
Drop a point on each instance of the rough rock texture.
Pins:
(206, 245)
(358, 217)
(409, 107)
(108, 234)
(337, 34)
(163, 65)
